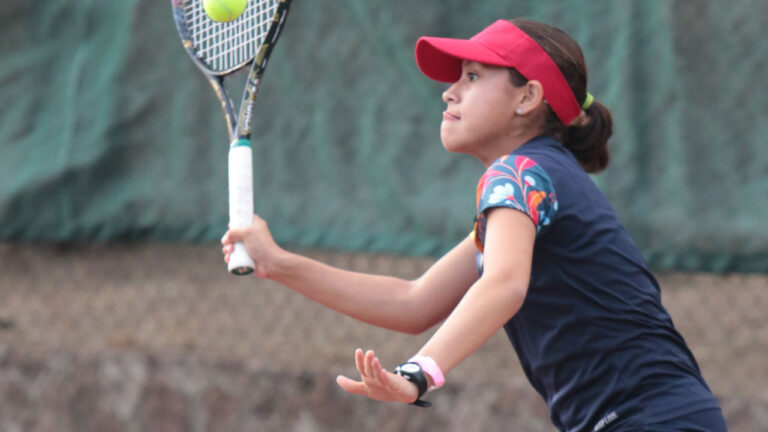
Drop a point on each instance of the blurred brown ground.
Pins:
(177, 301)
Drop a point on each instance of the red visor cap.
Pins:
(500, 44)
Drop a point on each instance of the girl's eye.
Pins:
(471, 76)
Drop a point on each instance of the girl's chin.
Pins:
(450, 148)
(455, 147)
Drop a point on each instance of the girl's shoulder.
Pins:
(547, 151)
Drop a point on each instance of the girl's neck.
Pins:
(493, 152)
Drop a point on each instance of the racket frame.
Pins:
(238, 129)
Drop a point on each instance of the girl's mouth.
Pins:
(450, 117)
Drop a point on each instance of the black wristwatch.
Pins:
(413, 373)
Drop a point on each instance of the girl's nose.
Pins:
(449, 95)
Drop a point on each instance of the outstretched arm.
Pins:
(410, 306)
(495, 297)
(489, 303)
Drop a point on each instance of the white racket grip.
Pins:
(240, 175)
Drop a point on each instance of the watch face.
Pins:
(410, 368)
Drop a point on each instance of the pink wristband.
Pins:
(430, 368)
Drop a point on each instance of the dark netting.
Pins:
(107, 130)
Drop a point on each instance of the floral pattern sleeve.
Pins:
(519, 183)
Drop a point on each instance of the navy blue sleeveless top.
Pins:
(592, 335)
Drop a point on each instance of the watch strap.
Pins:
(412, 372)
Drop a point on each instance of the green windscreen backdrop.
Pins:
(109, 132)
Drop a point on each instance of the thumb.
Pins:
(351, 386)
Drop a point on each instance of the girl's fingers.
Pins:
(227, 251)
(369, 356)
(376, 368)
(382, 376)
(233, 235)
(376, 383)
(359, 362)
(380, 373)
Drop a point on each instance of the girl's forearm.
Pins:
(486, 308)
(383, 301)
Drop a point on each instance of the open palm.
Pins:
(377, 383)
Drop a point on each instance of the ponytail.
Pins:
(588, 139)
(587, 136)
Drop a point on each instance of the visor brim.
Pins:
(440, 59)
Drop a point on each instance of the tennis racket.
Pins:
(219, 50)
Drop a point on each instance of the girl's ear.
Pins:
(532, 97)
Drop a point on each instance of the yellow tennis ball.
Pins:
(224, 10)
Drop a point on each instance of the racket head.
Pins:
(222, 48)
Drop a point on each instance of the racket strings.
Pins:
(224, 47)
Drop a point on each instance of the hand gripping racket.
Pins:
(219, 50)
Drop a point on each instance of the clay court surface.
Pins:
(176, 304)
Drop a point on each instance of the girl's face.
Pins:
(479, 118)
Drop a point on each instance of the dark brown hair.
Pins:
(588, 141)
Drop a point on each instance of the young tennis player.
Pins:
(547, 259)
